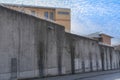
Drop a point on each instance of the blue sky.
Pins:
(88, 16)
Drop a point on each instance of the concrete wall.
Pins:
(86, 55)
(117, 47)
(26, 43)
(17, 45)
(110, 58)
(85, 52)
(32, 47)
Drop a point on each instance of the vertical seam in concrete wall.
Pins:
(90, 57)
(110, 58)
(72, 56)
(102, 57)
(19, 47)
(59, 50)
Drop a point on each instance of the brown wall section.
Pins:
(62, 16)
(39, 12)
(106, 39)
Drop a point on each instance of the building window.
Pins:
(33, 13)
(46, 15)
(51, 15)
(63, 13)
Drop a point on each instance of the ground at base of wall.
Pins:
(79, 76)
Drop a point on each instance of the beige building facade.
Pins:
(60, 16)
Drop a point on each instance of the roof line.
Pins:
(106, 35)
(98, 34)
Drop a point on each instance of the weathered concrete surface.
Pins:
(110, 58)
(17, 40)
(117, 47)
(26, 43)
(86, 53)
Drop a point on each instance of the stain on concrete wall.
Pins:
(86, 53)
(36, 44)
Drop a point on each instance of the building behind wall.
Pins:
(59, 15)
(101, 37)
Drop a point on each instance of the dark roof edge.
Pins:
(106, 35)
(80, 36)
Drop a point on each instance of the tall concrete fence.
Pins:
(87, 55)
(32, 47)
